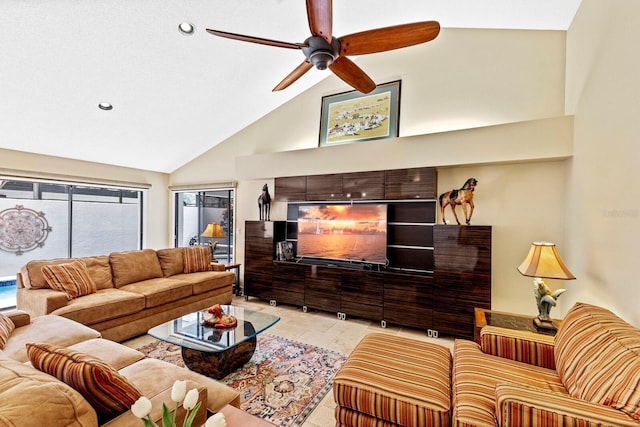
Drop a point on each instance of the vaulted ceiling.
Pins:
(176, 96)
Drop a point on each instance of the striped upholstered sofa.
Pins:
(589, 375)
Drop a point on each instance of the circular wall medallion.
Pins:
(22, 230)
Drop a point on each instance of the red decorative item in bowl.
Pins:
(226, 321)
(219, 319)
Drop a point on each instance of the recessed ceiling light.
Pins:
(186, 28)
(105, 106)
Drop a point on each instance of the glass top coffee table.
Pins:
(211, 351)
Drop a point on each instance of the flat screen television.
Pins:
(353, 232)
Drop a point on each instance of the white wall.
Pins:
(463, 79)
(603, 215)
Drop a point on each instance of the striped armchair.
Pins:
(588, 376)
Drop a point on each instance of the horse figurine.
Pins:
(462, 196)
(264, 204)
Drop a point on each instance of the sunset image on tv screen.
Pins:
(355, 232)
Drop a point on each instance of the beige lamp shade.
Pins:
(544, 261)
(213, 231)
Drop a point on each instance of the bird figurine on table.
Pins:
(545, 300)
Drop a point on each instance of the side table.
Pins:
(236, 284)
(519, 322)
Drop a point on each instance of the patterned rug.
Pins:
(282, 383)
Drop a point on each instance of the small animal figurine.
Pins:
(462, 196)
(264, 204)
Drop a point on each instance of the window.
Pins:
(105, 215)
(195, 211)
(82, 221)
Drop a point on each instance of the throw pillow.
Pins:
(71, 278)
(103, 387)
(197, 258)
(6, 327)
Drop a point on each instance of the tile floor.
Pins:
(326, 330)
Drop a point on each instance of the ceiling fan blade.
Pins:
(293, 76)
(389, 38)
(351, 74)
(258, 40)
(320, 17)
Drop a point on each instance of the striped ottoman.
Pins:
(394, 381)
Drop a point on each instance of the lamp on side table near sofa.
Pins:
(544, 262)
(213, 231)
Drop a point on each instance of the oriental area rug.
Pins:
(282, 383)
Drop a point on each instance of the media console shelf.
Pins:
(440, 303)
(435, 275)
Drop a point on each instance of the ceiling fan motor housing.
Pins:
(320, 53)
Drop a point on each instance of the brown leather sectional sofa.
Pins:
(31, 398)
(135, 291)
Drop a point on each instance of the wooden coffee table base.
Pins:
(219, 365)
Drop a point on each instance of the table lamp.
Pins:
(544, 262)
(213, 231)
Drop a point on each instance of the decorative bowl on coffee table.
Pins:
(211, 351)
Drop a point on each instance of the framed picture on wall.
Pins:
(353, 116)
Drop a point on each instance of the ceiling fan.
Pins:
(324, 50)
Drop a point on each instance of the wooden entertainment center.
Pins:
(435, 276)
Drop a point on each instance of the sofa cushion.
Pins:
(171, 261)
(18, 317)
(476, 375)
(160, 291)
(103, 305)
(71, 278)
(51, 329)
(205, 281)
(32, 272)
(113, 354)
(598, 358)
(99, 270)
(197, 258)
(6, 327)
(23, 388)
(102, 386)
(134, 266)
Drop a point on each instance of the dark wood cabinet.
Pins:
(288, 283)
(410, 184)
(408, 300)
(290, 189)
(324, 187)
(260, 243)
(322, 288)
(362, 294)
(363, 185)
(416, 183)
(442, 306)
(462, 276)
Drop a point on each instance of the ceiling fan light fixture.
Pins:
(105, 106)
(321, 59)
(186, 28)
(320, 53)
